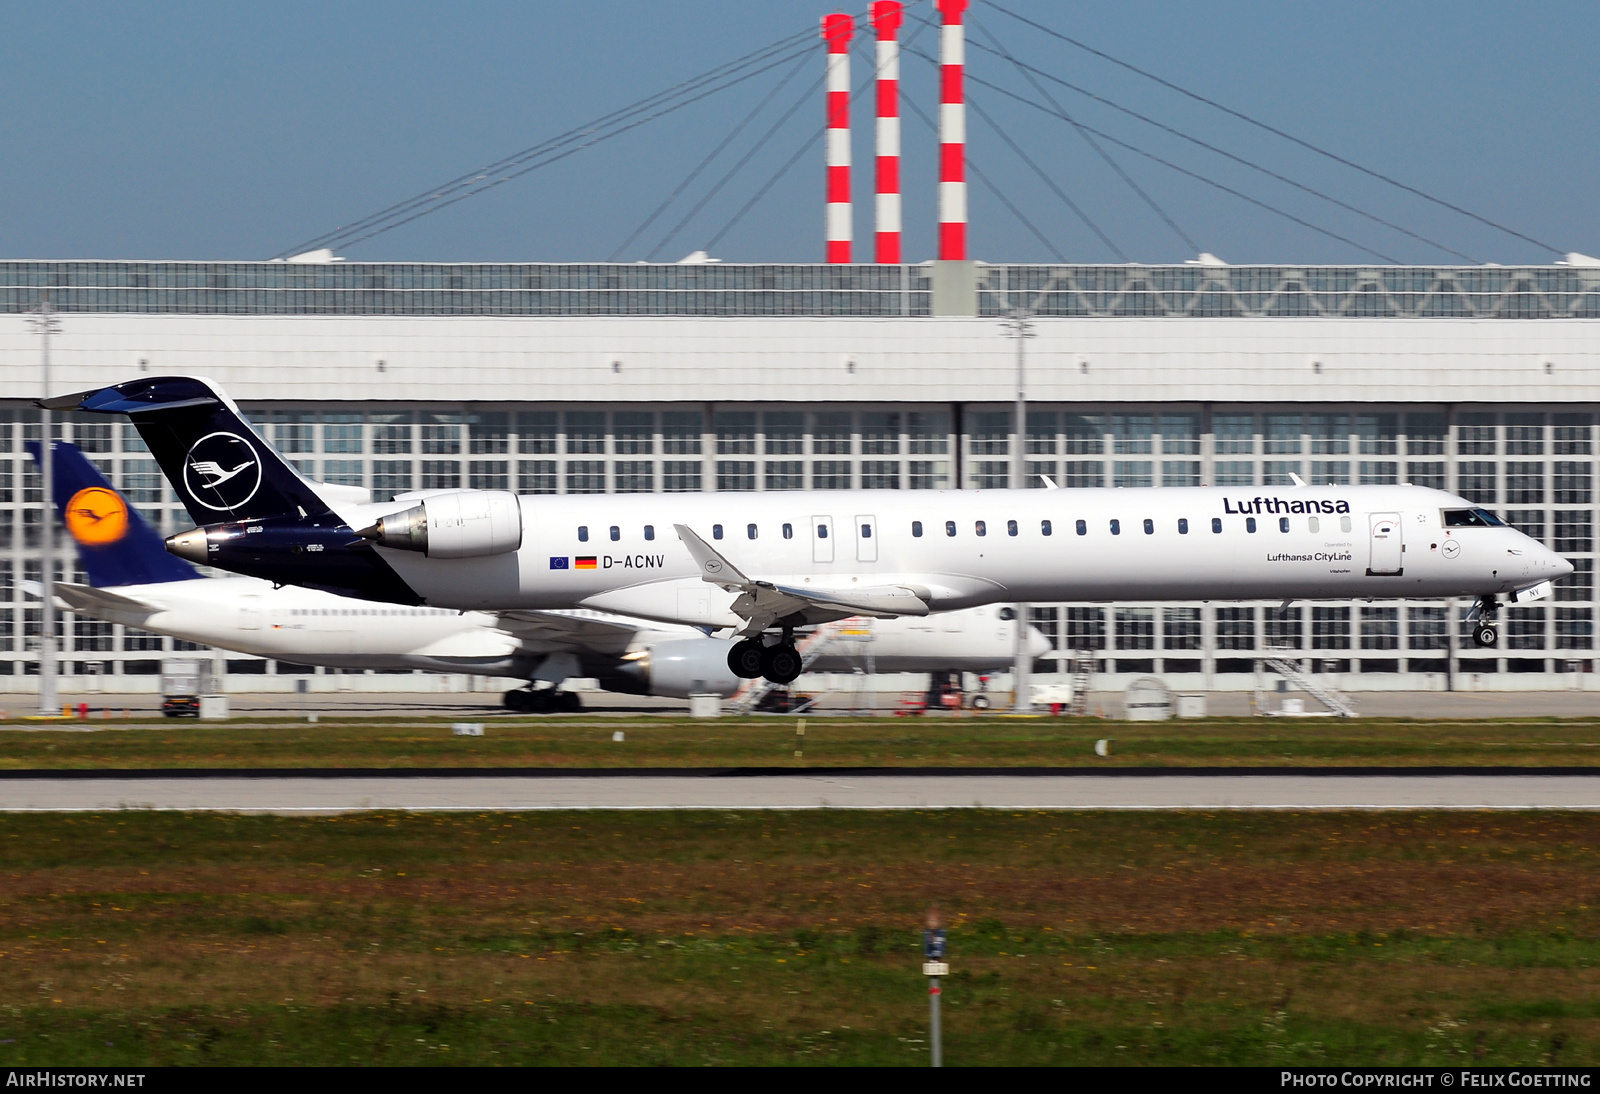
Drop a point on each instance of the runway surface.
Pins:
(295, 794)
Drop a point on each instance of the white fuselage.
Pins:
(305, 626)
(619, 552)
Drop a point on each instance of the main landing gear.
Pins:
(543, 701)
(1483, 616)
(779, 662)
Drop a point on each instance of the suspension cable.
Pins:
(1224, 152)
(1197, 97)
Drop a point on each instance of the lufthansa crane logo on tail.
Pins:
(96, 516)
(222, 471)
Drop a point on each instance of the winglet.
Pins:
(713, 567)
(1298, 481)
(1049, 483)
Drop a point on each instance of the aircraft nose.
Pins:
(1554, 567)
(1038, 644)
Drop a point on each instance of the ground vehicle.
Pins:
(180, 687)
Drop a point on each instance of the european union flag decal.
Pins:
(558, 563)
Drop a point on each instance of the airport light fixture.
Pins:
(1018, 324)
(44, 322)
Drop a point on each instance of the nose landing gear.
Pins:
(1482, 617)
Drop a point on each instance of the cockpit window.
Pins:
(1471, 518)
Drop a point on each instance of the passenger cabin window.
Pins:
(716, 531)
(980, 528)
(1044, 528)
(1116, 527)
(583, 533)
(866, 531)
(1471, 518)
(1314, 524)
(950, 528)
(1283, 524)
(1011, 527)
(822, 531)
(1083, 527)
(750, 531)
(1149, 527)
(1344, 524)
(616, 533)
(916, 529)
(1216, 525)
(1250, 525)
(788, 531)
(1183, 526)
(649, 531)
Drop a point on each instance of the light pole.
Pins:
(933, 967)
(43, 322)
(1018, 325)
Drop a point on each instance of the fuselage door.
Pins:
(1387, 544)
(821, 539)
(250, 613)
(866, 539)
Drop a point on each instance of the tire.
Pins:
(568, 702)
(744, 660)
(980, 702)
(516, 700)
(780, 664)
(1484, 634)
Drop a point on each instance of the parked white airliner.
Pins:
(134, 582)
(760, 562)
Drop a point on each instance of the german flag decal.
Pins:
(584, 562)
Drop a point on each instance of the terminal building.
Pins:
(595, 378)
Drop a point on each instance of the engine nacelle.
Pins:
(683, 667)
(458, 524)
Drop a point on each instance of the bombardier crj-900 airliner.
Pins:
(135, 582)
(771, 562)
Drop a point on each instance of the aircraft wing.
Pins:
(550, 632)
(763, 603)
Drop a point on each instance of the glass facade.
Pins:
(1532, 465)
(370, 288)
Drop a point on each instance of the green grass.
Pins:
(134, 939)
(739, 742)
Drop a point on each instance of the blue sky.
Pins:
(207, 131)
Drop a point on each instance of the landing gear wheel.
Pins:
(780, 663)
(567, 702)
(1484, 634)
(980, 702)
(744, 660)
(517, 700)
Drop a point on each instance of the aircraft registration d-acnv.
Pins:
(768, 563)
(135, 582)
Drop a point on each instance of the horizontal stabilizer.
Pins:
(220, 468)
(92, 601)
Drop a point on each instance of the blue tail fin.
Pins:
(115, 544)
(219, 468)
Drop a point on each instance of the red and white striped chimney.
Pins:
(886, 18)
(837, 30)
(952, 134)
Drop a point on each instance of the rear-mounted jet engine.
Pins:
(458, 524)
